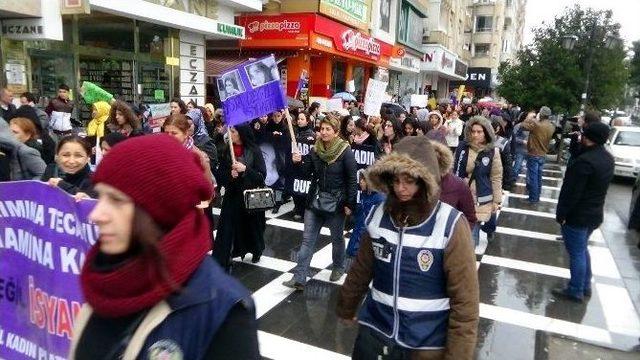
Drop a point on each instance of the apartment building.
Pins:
(496, 35)
(447, 52)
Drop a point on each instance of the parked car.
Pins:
(634, 209)
(624, 145)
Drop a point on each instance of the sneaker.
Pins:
(293, 284)
(336, 275)
(563, 294)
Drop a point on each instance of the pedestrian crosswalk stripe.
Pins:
(278, 347)
(528, 212)
(543, 186)
(619, 312)
(524, 196)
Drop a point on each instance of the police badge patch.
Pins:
(165, 349)
(425, 260)
(485, 161)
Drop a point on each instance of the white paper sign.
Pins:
(334, 105)
(351, 86)
(419, 100)
(374, 97)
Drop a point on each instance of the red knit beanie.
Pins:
(159, 174)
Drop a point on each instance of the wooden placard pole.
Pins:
(294, 143)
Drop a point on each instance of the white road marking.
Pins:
(543, 186)
(525, 196)
(528, 212)
(619, 312)
(278, 347)
(272, 294)
(526, 266)
(543, 178)
(539, 322)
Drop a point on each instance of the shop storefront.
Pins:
(440, 67)
(404, 74)
(477, 82)
(144, 52)
(332, 54)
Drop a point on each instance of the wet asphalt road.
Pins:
(520, 319)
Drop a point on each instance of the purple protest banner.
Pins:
(44, 235)
(250, 90)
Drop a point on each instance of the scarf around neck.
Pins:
(331, 153)
(137, 283)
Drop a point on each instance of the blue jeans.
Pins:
(575, 241)
(475, 233)
(534, 177)
(517, 164)
(313, 222)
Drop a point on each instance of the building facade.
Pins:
(447, 53)
(497, 34)
(147, 51)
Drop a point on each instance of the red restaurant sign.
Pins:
(349, 40)
(278, 31)
(289, 26)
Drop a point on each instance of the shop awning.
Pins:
(165, 16)
(223, 60)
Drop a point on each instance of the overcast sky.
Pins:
(626, 12)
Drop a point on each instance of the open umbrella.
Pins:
(345, 96)
(294, 103)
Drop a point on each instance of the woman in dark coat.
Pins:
(332, 196)
(71, 171)
(239, 231)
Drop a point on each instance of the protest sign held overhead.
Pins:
(374, 97)
(250, 90)
(44, 235)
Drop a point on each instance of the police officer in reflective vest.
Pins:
(417, 254)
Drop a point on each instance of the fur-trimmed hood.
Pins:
(488, 130)
(414, 156)
(445, 158)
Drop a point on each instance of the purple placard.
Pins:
(250, 90)
(44, 235)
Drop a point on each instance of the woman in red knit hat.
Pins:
(151, 291)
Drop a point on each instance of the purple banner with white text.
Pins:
(250, 90)
(44, 235)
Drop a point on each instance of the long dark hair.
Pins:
(343, 127)
(181, 104)
(146, 235)
(127, 112)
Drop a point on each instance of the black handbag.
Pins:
(325, 202)
(260, 199)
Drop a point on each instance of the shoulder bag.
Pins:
(260, 199)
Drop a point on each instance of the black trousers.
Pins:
(371, 345)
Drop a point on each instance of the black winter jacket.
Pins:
(340, 175)
(584, 188)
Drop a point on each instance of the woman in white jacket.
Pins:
(455, 126)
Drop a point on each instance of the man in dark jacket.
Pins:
(580, 207)
(7, 109)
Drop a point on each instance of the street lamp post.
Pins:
(569, 42)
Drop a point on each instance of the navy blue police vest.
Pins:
(408, 299)
(482, 171)
(198, 311)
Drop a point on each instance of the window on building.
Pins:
(484, 23)
(509, 3)
(106, 31)
(481, 50)
(506, 45)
